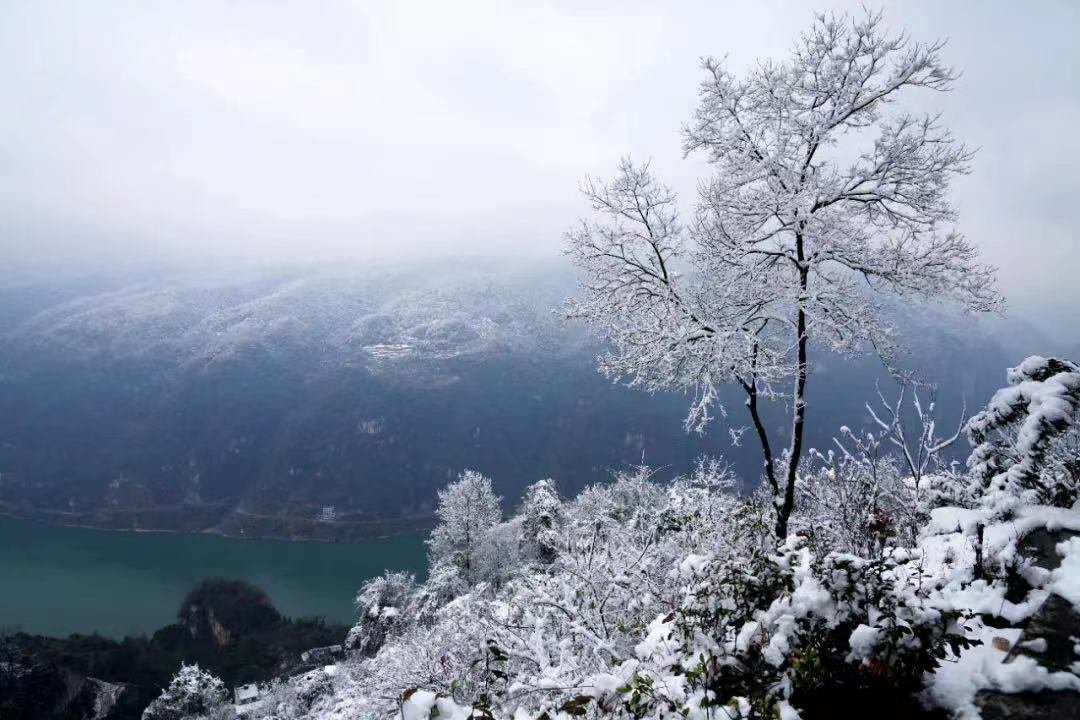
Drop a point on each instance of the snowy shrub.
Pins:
(949, 488)
(1023, 438)
(663, 598)
(295, 697)
(773, 632)
(542, 517)
(193, 694)
(382, 604)
(544, 620)
(878, 486)
(854, 503)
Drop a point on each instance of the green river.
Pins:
(59, 580)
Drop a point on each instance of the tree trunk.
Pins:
(798, 418)
(759, 427)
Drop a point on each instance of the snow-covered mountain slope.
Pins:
(336, 314)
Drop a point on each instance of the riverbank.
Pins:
(223, 520)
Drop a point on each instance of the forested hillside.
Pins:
(248, 404)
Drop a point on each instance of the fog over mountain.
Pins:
(246, 403)
(203, 134)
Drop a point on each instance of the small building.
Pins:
(322, 655)
(245, 694)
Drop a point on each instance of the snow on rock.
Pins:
(418, 706)
(1065, 580)
(863, 640)
(657, 641)
(953, 519)
(948, 547)
(693, 565)
(954, 684)
(787, 712)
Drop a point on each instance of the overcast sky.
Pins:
(204, 131)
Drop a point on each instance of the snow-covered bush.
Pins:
(1024, 438)
(550, 619)
(855, 502)
(542, 517)
(878, 486)
(193, 694)
(663, 598)
(765, 634)
(382, 604)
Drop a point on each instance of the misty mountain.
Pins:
(249, 403)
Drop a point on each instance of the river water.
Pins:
(59, 580)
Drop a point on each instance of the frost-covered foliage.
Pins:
(643, 598)
(790, 240)
(542, 517)
(467, 510)
(877, 486)
(193, 694)
(1024, 439)
(558, 616)
(777, 631)
(854, 500)
(660, 599)
(381, 604)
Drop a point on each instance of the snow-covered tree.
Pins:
(193, 694)
(467, 509)
(819, 199)
(499, 555)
